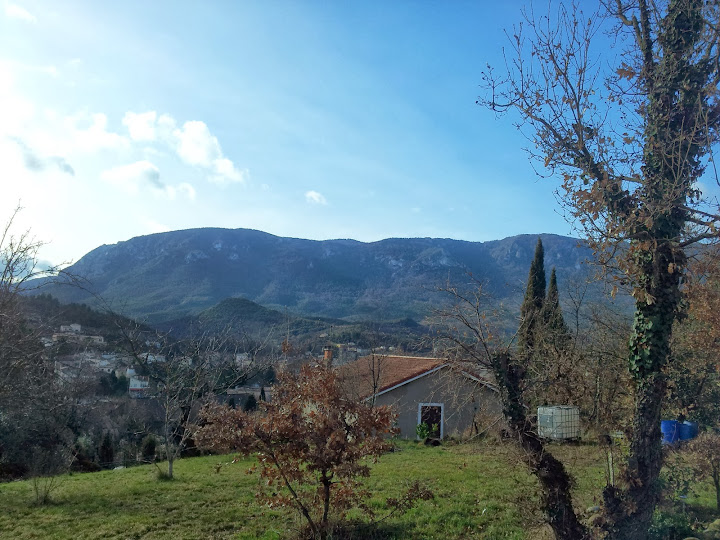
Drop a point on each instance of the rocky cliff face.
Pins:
(166, 275)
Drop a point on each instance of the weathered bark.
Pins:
(675, 124)
(629, 512)
(555, 482)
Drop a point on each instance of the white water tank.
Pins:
(559, 422)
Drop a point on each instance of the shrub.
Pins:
(250, 404)
(669, 526)
(705, 457)
(310, 439)
(422, 430)
(148, 448)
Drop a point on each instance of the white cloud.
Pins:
(196, 145)
(81, 137)
(14, 11)
(226, 172)
(135, 176)
(131, 177)
(193, 143)
(141, 125)
(313, 197)
(153, 227)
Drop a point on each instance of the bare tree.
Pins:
(469, 334)
(36, 410)
(185, 374)
(629, 140)
(20, 351)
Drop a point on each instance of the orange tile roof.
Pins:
(357, 377)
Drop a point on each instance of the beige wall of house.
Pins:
(462, 400)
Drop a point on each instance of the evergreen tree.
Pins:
(262, 394)
(250, 403)
(530, 311)
(148, 447)
(554, 326)
(106, 452)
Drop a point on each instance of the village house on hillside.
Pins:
(72, 333)
(424, 390)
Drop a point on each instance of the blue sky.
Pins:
(306, 119)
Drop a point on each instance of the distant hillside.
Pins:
(242, 317)
(49, 314)
(167, 276)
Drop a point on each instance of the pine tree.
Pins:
(531, 308)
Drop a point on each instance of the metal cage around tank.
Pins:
(559, 422)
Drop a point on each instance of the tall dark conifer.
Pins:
(552, 317)
(530, 311)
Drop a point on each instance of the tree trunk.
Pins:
(555, 482)
(629, 512)
(326, 506)
(170, 466)
(643, 468)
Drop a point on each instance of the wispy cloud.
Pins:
(79, 136)
(36, 163)
(314, 197)
(14, 11)
(135, 176)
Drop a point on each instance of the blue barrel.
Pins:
(670, 431)
(687, 430)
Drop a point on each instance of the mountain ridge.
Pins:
(168, 275)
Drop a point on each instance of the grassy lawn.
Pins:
(481, 491)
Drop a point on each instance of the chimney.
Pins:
(328, 355)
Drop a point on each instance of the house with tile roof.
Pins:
(456, 401)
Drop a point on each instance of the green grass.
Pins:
(481, 491)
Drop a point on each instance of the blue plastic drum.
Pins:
(687, 430)
(670, 431)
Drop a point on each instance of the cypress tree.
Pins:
(106, 452)
(554, 327)
(250, 403)
(552, 312)
(530, 311)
